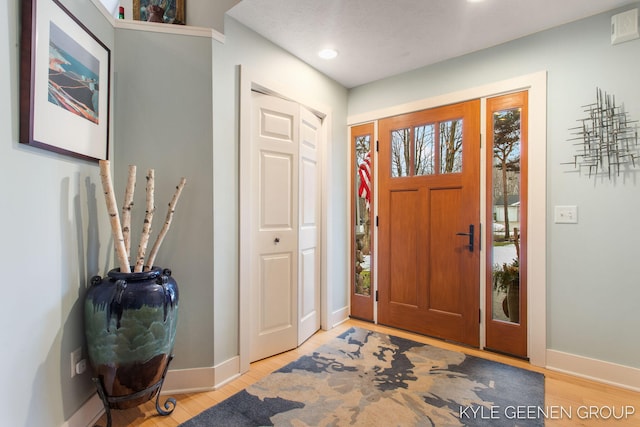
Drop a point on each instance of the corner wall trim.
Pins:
(179, 381)
(595, 370)
(339, 316)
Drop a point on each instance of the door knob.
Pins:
(276, 240)
(470, 234)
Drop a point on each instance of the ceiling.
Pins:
(381, 38)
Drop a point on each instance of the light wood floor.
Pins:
(561, 391)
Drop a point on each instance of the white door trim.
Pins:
(249, 81)
(536, 84)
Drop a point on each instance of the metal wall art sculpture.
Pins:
(606, 141)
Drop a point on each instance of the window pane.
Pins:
(362, 191)
(424, 141)
(451, 146)
(506, 215)
(400, 152)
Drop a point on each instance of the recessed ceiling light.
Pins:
(328, 53)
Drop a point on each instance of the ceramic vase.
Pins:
(130, 327)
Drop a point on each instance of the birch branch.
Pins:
(126, 209)
(146, 227)
(112, 208)
(166, 225)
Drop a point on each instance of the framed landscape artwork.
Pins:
(174, 10)
(64, 83)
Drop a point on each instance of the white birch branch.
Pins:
(146, 227)
(166, 225)
(112, 208)
(126, 209)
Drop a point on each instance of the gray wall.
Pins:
(163, 121)
(592, 275)
(57, 232)
(55, 235)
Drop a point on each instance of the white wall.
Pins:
(592, 291)
(55, 235)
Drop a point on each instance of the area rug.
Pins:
(365, 378)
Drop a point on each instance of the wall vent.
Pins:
(624, 26)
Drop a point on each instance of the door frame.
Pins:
(249, 81)
(536, 85)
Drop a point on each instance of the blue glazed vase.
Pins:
(130, 327)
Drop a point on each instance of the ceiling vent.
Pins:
(624, 26)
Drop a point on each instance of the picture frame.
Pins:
(65, 83)
(174, 10)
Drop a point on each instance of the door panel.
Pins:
(446, 284)
(309, 229)
(429, 198)
(276, 191)
(275, 284)
(406, 257)
(274, 226)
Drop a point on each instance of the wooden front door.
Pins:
(429, 208)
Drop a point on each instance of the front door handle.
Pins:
(471, 235)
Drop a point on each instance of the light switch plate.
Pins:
(566, 215)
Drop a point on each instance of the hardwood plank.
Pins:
(561, 390)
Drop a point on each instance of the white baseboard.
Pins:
(177, 381)
(88, 414)
(180, 381)
(227, 371)
(338, 316)
(595, 370)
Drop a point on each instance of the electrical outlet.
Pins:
(76, 357)
(81, 367)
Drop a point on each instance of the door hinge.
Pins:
(479, 315)
(376, 296)
(377, 146)
(480, 236)
(376, 220)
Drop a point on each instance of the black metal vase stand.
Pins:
(107, 401)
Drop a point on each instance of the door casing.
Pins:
(536, 85)
(249, 81)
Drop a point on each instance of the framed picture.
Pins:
(174, 12)
(64, 83)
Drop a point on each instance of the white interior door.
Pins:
(274, 226)
(309, 217)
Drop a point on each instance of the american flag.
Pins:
(364, 170)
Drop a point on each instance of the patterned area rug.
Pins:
(364, 378)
